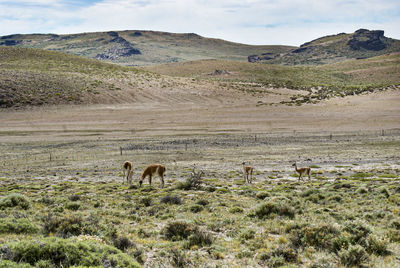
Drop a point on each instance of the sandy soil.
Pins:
(218, 112)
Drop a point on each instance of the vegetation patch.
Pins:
(66, 252)
(17, 226)
(269, 209)
(14, 200)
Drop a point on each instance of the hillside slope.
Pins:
(335, 48)
(140, 47)
(338, 79)
(34, 77)
(39, 77)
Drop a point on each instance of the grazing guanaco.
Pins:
(247, 172)
(152, 170)
(301, 171)
(127, 168)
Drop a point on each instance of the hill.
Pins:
(337, 79)
(140, 48)
(32, 77)
(35, 77)
(334, 48)
(39, 77)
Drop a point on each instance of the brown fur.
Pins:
(127, 168)
(152, 170)
(301, 171)
(247, 173)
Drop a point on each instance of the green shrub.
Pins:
(309, 192)
(146, 201)
(177, 230)
(44, 264)
(355, 255)
(268, 209)
(73, 206)
(361, 175)
(235, 210)
(323, 263)
(193, 182)
(17, 226)
(394, 236)
(196, 208)
(222, 190)
(377, 246)
(65, 253)
(395, 224)
(337, 198)
(74, 197)
(122, 243)
(11, 264)
(319, 236)
(202, 202)
(70, 225)
(288, 253)
(14, 200)
(362, 190)
(359, 231)
(199, 238)
(175, 200)
(384, 191)
(179, 258)
(262, 195)
(340, 242)
(275, 261)
(247, 235)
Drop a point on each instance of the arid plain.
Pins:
(66, 161)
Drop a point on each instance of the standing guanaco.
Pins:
(127, 168)
(247, 172)
(152, 170)
(301, 171)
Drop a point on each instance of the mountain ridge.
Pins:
(139, 47)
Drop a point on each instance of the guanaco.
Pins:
(127, 168)
(301, 171)
(247, 172)
(152, 170)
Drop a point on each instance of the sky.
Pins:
(273, 22)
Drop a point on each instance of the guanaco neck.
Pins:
(295, 167)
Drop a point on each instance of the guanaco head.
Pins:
(140, 182)
(294, 164)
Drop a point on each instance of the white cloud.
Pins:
(246, 21)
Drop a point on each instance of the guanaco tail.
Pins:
(151, 171)
(247, 173)
(301, 171)
(127, 168)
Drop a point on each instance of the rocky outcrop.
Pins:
(369, 40)
(361, 44)
(264, 56)
(137, 33)
(10, 42)
(116, 52)
(121, 48)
